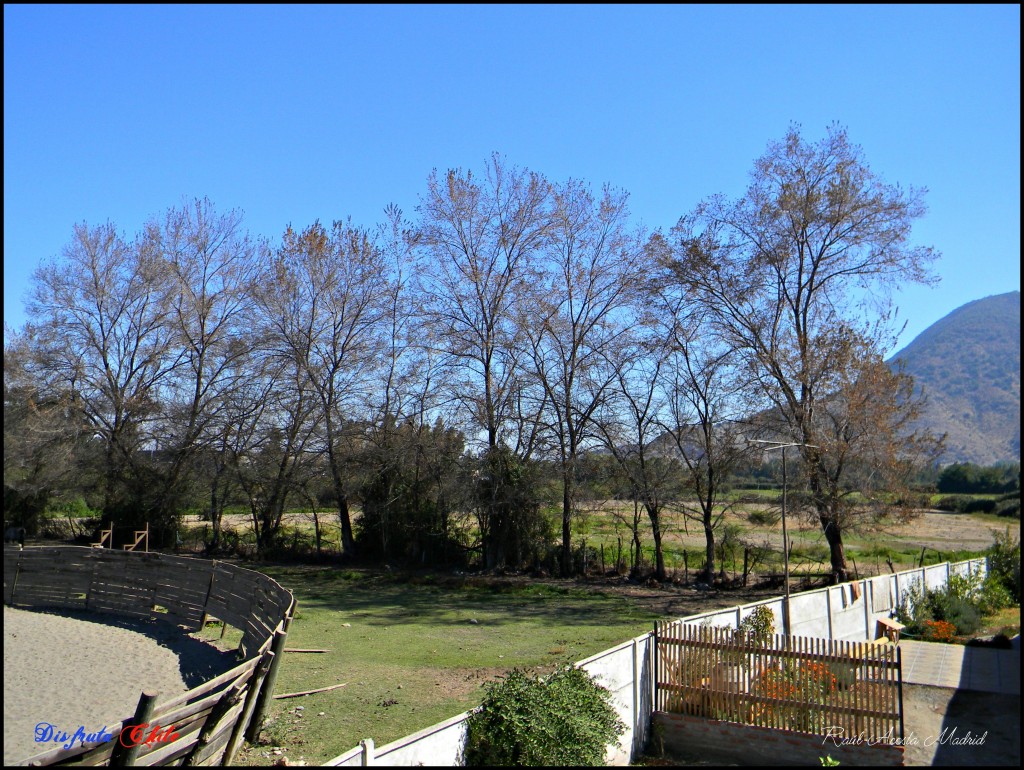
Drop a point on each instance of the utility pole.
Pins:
(786, 619)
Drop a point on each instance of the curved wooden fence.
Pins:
(209, 720)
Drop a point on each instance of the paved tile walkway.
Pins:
(966, 668)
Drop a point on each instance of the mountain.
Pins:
(968, 364)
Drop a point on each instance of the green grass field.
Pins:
(414, 653)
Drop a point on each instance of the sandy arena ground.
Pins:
(77, 669)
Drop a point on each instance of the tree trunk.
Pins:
(567, 492)
(637, 554)
(709, 552)
(834, 538)
(348, 542)
(654, 513)
(215, 516)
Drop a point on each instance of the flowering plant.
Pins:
(939, 630)
(808, 682)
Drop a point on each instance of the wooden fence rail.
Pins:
(210, 719)
(805, 684)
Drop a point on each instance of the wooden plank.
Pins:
(99, 756)
(229, 698)
(309, 692)
(160, 753)
(212, 753)
(243, 669)
(192, 710)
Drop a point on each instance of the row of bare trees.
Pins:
(422, 370)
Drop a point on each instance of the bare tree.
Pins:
(100, 315)
(45, 447)
(327, 294)
(794, 270)
(211, 265)
(631, 421)
(477, 240)
(579, 307)
(870, 449)
(276, 412)
(705, 394)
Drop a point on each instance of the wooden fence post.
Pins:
(126, 755)
(899, 673)
(267, 690)
(227, 700)
(14, 584)
(255, 682)
(206, 601)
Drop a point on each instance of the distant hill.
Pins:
(968, 364)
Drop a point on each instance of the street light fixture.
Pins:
(786, 627)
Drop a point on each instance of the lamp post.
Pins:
(786, 627)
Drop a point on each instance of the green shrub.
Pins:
(957, 603)
(962, 587)
(1008, 507)
(758, 627)
(980, 506)
(1004, 563)
(962, 613)
(952, 503)
(565, 719)
(76, 508)
(994, 596)
(764, 518)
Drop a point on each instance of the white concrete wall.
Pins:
(627, 670)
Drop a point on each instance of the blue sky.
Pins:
(298, 113)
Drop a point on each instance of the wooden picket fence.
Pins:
(805, 684)
(210, 720)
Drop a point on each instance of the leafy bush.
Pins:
(971, 478)
(758, 627)
(76, 508)
(980, 506)
(955, 603)
(994, 596)
(1004, 563)
(961, 613)
(565, 719)
(764, 518)
(963, 587)
(1008, 506)
(952, 503)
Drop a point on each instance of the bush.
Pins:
(952, 503)
(994, 596)
(954, 604)
(565, 719)
(764, 518)
(1008, 506)
(758, 627)
(1004, 564)
(980, 506)
(939, 631)
(76, 508)
(962, 613)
